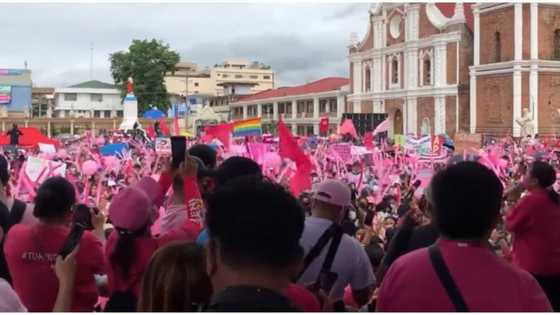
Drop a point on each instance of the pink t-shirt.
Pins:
(534, 222)
(144, 249)
(32, 249)
(487, 283)
(302, 298)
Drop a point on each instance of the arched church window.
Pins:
(368, 79)
(395, 71)
(427, 64)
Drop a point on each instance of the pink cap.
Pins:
(131, 209)
(334, 192)
(152, 189)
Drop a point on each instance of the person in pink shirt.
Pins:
(460, 272)
(31, 250)
(131, 244)
(534, 222)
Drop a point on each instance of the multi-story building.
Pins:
(413, 64)
(203, 83)
(42, 102)
(91, 99)
(255, 76)
(516, 66)
(15, 93)
(301, 107)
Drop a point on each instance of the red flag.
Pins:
(163, 126)
(324, 125)
(368, 140)
(221, 132)
(288, 148)
(300, 182)
(348, 127)
(151, 133)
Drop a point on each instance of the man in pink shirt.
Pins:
(534, 222)
(460, 272)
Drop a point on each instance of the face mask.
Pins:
(352, 215)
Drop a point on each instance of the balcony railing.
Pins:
(305, 115)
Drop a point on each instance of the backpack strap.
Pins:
(446, 279)
(337, 237)
(17, 211)
(317, 248)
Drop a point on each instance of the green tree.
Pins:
(147, 62)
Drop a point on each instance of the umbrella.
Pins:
(154, 114)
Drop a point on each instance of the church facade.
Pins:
(489, 68)
(413, 64)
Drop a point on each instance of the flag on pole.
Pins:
(324, 125)
(382, 127)
(348, 127)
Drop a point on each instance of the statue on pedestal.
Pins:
(526, 123)
(130, 86)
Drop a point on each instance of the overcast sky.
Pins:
(302, 42)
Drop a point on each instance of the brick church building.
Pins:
(446, 68)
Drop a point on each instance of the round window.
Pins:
(395, 26)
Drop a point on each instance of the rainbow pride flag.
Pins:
(248, 127)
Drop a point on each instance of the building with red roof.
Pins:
(301, 107)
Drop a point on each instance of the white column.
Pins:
(472, 101)
(377, 106)
(412, 66)
(516, 100)
(357, 71)
(315, 128)
(316, 108)
(294, 109)
(534, 30)
(376, 73)
(294, 129)
(259, 110)
(518, 31)
(340, 106)
(534, 95)
(534, 74)
(457, 112)
(357, 106)
(275, 111)
(244, 111)
(440, 60)
(476, 60)
(439, 113)
(383, 72)
(412, 115)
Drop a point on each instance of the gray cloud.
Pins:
(302, 42)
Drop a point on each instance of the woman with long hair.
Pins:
(534, 222)
(175, 280)
(131, 243)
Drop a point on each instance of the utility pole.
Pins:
(91, 62)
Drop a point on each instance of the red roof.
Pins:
(323, 85)
(448, 9)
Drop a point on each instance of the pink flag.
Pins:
(382, 127)
(348, 127)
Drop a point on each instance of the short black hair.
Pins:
(466, 200)
(543, 173)
(256, 223)
(234, 167)
(4, 171)
(205, 153)
(55, 198)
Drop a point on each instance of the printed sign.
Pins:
(163, 145)
(38, 169)
(436, 144)
(5, 94)
(344, 151)
(47, 148)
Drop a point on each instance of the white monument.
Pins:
(526, 123)
(130, 108)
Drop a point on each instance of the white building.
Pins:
(300, 106)
(91, 99)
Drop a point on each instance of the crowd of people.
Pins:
(226, 231)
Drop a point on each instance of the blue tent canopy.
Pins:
(154, 113)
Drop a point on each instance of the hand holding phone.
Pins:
(72, 240)
(178, 150)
